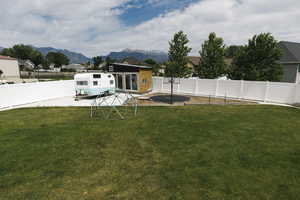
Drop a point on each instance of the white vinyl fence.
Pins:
(276, 92)
(19, 94)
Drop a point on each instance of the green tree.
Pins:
(155, 66)
(212, 64)
(178, 52)
(57, 58)
(258, 60)
(232, 51)
(97, 61)
(24, 52)
(37, 58)
(108, 62)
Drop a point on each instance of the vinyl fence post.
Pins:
(266, 91)
(242, 89)
(162, 84)
(196, 86)
(217, 88)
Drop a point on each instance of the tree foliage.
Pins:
(178, 52)
(212, 64)
(97, 61)
(232, 51)
(155, 66)
(57, 58)
(258, 60)
(24, 52)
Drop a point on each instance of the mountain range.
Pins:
(140, 55)
(76, 57)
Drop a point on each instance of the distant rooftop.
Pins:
(129, 65)
(291, 52)
(6, 58)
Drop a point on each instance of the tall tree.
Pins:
(58, 59)
(212, 64)
(258, 60)
(232, 51)
(97, 61)
(178, 52)
(108, 62)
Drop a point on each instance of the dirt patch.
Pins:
(160, 99)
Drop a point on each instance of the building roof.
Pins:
(194, 60)
(6, 58)
(135, 66)
(291, 52)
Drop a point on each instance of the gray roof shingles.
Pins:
(291, 52)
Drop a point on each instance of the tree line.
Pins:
(26, 52)
(257, 60)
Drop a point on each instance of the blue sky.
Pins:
(97, 27)
(139, 11)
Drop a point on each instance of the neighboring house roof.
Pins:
(291, 52)
(131, 61)
(6, 58)
(194, 60)
(136, 66)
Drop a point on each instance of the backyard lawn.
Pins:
(192, 152)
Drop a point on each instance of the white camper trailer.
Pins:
(92, 84)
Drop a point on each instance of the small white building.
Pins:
(9, 67)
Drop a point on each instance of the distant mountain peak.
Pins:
(74, 57)
(140, 55)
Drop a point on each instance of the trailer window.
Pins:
(96, 75)
(109, 76)
(82, 83)
(111, 82)
(95, 83)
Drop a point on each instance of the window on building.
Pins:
(82, 83)
(96, 76)
(134, 81)
(95, 83)
(145, 81)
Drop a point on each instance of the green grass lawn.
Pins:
(201, 152)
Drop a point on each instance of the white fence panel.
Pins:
(157, 84)
(206, 87)
(254, 90)
(229, 89)
(187, 86)
(18, 94)
(281, 92)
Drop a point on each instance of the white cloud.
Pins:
(93, 27)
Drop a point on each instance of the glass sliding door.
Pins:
(120, 81)
(128, 81)
(134, 82)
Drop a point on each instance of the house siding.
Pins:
(145, 81)
(290, 72)
(10, 69)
